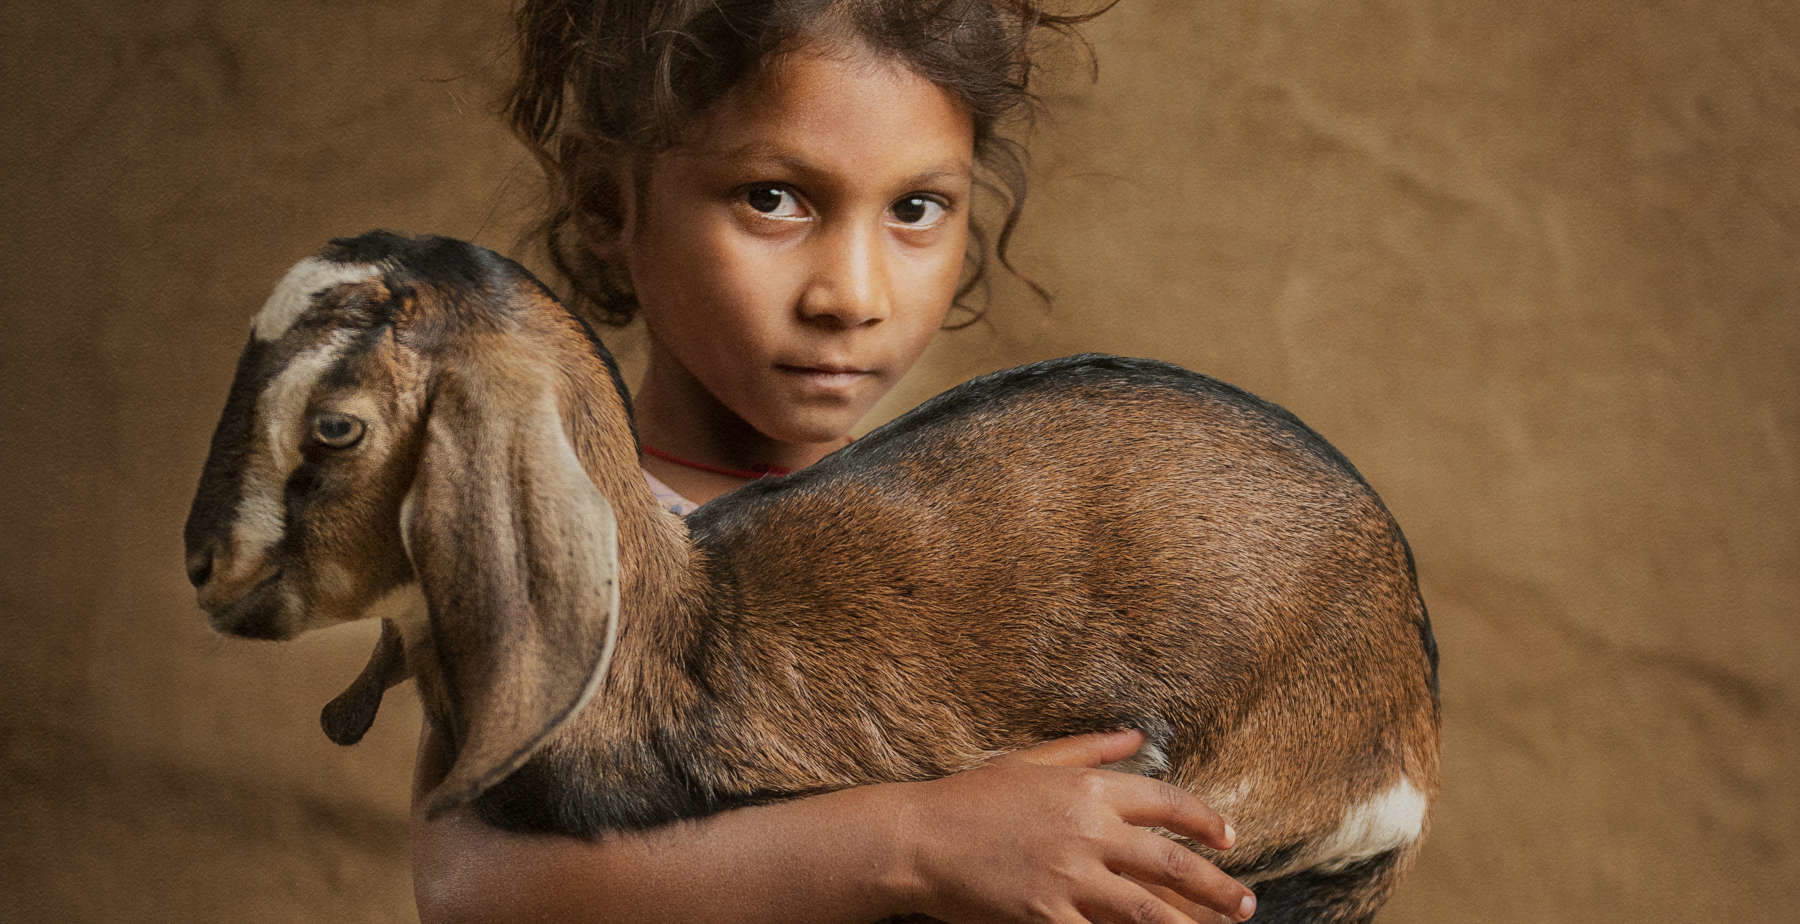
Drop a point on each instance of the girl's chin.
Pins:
(810, 429)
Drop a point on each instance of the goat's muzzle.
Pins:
(248, 609)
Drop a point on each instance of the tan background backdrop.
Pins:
(1532, 264)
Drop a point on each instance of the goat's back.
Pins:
(1085, 543)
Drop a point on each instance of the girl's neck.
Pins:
(677, 415)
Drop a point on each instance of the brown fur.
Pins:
(1059, 559)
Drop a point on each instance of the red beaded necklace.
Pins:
(758, 471)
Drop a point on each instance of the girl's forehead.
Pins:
(837, 108)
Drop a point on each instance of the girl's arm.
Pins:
(1034, 836)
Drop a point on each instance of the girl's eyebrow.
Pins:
(765, 152)
(957, 171)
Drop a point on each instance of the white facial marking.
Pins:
(280, 410)
(1392, 818)
(293, 294)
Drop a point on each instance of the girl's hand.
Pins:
(1041, 835)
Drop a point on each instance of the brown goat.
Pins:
(419, 431)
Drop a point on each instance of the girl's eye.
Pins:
(919, 211)
(777, 202)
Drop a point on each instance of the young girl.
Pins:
(782, 191)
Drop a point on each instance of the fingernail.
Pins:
(1230, 835)
(1247, 907)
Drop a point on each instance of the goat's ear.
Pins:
(517, 554)
(349, 716)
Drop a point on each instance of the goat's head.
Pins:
(393, 435)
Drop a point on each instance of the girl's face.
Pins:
(795, 256)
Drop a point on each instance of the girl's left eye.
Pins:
(776, 202)
(919, 211)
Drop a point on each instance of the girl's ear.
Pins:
(517, 555)
(606, 186)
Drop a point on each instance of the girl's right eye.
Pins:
(774, 202)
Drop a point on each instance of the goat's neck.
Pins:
(661, 580)
(646, 749)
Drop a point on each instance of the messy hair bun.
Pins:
(608, 82)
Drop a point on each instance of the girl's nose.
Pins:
(850, 285)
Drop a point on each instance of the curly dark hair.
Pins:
(609, 82)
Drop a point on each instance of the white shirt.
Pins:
(666, 496)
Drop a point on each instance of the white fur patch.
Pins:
(280, 412)
(294, 293)
(1148, 761)
(1392, 818)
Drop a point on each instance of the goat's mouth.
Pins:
(259, 613)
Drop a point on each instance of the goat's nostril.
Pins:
(199, 568)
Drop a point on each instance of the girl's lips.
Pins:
(826, 378)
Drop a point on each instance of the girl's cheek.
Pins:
(933, 276)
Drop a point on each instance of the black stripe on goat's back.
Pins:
(887, 443)
(1100, 367)
(1103, 370)
(1428, 640)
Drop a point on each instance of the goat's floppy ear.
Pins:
(517, 554)
(349, 716)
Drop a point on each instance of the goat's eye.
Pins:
(339, 431)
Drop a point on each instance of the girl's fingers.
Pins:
(1139, 800)
(1185, 905)
(1153, 858)
(1125, 902)
(1089, 750)
(1150, 803)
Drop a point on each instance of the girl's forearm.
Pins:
(833, 857)
(1039, 829)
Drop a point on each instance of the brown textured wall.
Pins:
(1532, 265)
